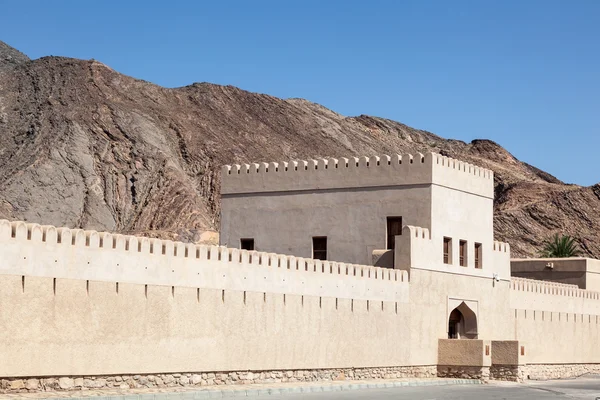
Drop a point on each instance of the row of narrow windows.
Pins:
(462, 253)
(319, 249)
(394, 228)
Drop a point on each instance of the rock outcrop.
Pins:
(82, 145)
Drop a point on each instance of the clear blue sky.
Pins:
(525, 74)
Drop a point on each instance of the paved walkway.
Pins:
(209, 392)
(581, 389)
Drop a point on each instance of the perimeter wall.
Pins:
(558, 326)
(86, 304)
(75, 303)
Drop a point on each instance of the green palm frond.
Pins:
(560, 247)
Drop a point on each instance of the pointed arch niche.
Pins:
(462, 318)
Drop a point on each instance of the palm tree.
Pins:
(560, 247)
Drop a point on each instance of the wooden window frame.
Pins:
(391, 239)
(462, 253)
(447, 250)
(478, 256)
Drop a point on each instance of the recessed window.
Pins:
(447, 250)
(320, 247)
(394, 228)
(462, 259)
(247, 244)
(478, 255)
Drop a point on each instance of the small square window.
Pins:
(247, 244)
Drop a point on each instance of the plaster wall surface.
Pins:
(463, 352)
(83, 303)
(455, 174)
(527, 294)
(463, 216)
(418, 249)
(348, 200)
(354, 221)
(326, 174)
(506, 352)
(433, 297)
(592, 279)
(187, 308)
(556, 323)
(356, 172)
(558, 337)
(78, 327)
(46, 251)
(583, 272)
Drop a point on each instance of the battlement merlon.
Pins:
(46, 251)
(339, 173)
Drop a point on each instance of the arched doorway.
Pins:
(462, 323)
(456, 322)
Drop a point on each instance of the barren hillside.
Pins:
(82, 145)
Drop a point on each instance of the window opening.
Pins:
(447, 250)
(463, 253)
(478, 255)
(247, 244)
(320, 247)
(394, 228)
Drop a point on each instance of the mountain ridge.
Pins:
(10, 57)
(82, 145)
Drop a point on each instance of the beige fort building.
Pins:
(351, 268)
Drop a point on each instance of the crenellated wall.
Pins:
(556, 324)
(501, 253)
(134, 305)
(463, 176)
(84, 303)
(348, 201)
(326, 174)
(141, 306)
(339, 173)
(46, 251)
(536, 295)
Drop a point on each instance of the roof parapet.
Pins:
(551, 288)
(353, 172)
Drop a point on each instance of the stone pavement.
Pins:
(210, 392)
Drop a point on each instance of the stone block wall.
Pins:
(24, 385)
(557, 371)
(512, 373)
(464, 372)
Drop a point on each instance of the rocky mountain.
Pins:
(82, 145)
(10, 56)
